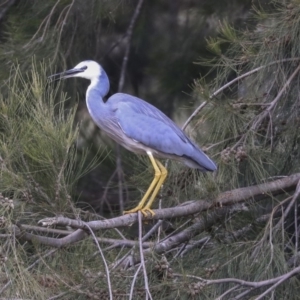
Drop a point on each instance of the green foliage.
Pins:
(249, 127)
(38, 141)
(39, 169)
(249, 135)
(253, 107)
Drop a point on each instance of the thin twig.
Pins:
(6, 8)
(281, 278)
(267, 111)
(60, 295)
(225, 86)
(127, 257)
(197, 110)
(28, 268)
(123, 243)
(201, 242)
(148, 294)
(254, 284)
(68, 8)
(289, 207)
(47, 21)
(36, 185)
(104, 261)
(43, 229)
(128, 44)
(152, 230)
(133, 281)
(221, 297)
(296, 226)
(272, 105)
(250, 73)
(120, 177)
(120, 88)
(105, 192)
(243, 294)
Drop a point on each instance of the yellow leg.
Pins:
(164, 173)
(156, 179)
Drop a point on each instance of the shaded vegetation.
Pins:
(237, 239)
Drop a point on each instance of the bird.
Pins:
(139, 127)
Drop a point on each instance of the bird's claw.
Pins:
(145, 211)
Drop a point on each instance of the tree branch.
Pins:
(272, 105)
(228, 84)
(5, 8)
(128, 45)
(256, 193)
(253, 284)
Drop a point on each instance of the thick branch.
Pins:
(190, 232)
(228, 198)
(54, 242)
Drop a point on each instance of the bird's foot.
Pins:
(145, 211)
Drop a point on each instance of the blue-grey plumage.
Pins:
(137, 125)
(148, 127)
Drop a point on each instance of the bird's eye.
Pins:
(84, 68)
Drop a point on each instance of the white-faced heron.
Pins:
(139, 127)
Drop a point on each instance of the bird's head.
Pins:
(88, 69)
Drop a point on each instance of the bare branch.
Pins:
(104, 262)
(148, 294)
(289, 207)
(133, 281)
(228, 84)
(5, 8)
(74, 237)
(46, 21)
(197, 110)
(272, 105)
(128, 45)
(250, 73)
(274, 281)
(224, 200)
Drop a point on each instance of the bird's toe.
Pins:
(147, 212)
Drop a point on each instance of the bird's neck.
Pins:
(99, 86)
(95, 93)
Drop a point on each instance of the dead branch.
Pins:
(250, 73)
(252, 284)
(196, 111)
(228, 84)
(146, 283)
(5, 7)
(128, 45)
(73, 237)
(226, 199)
(273, 104)
(124, 243)
(118, 171)
(188, 233)
(268, 109)
(104, 262)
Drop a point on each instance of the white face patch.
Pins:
(93, 70)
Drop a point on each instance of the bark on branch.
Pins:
(228, 198)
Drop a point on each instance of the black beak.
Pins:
(66, 74)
